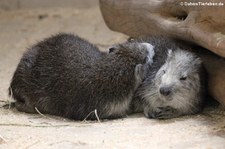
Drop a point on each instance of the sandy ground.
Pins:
(22, 28)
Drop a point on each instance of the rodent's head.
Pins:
(134, 52)
(133, 56)
(179, 78)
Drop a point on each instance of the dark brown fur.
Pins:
(67, 76)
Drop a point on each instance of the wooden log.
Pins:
(203, 25)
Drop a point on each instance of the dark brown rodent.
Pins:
(67, 76)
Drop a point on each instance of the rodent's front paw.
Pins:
(163, 113)
(151, 51)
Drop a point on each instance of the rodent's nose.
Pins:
(165, 91)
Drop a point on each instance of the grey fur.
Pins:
(67, 76)
(174, 84)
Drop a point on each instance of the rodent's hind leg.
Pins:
(166, 112)
(22, 107)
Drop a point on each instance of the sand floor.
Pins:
(20, 29)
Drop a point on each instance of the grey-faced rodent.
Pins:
(174, 84)
(67, 76)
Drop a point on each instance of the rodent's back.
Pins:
(57, 54)
(51, 69)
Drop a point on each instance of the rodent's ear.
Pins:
(198, 61)
(112, 49)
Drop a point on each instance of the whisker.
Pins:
(186, 103)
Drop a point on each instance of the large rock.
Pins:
(201, 23)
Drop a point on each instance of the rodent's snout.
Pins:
(165, 90)
(150, 50)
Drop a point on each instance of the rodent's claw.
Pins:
(163, 113)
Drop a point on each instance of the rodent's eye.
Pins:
(164, 71)
(112, 49)
(183, 78)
